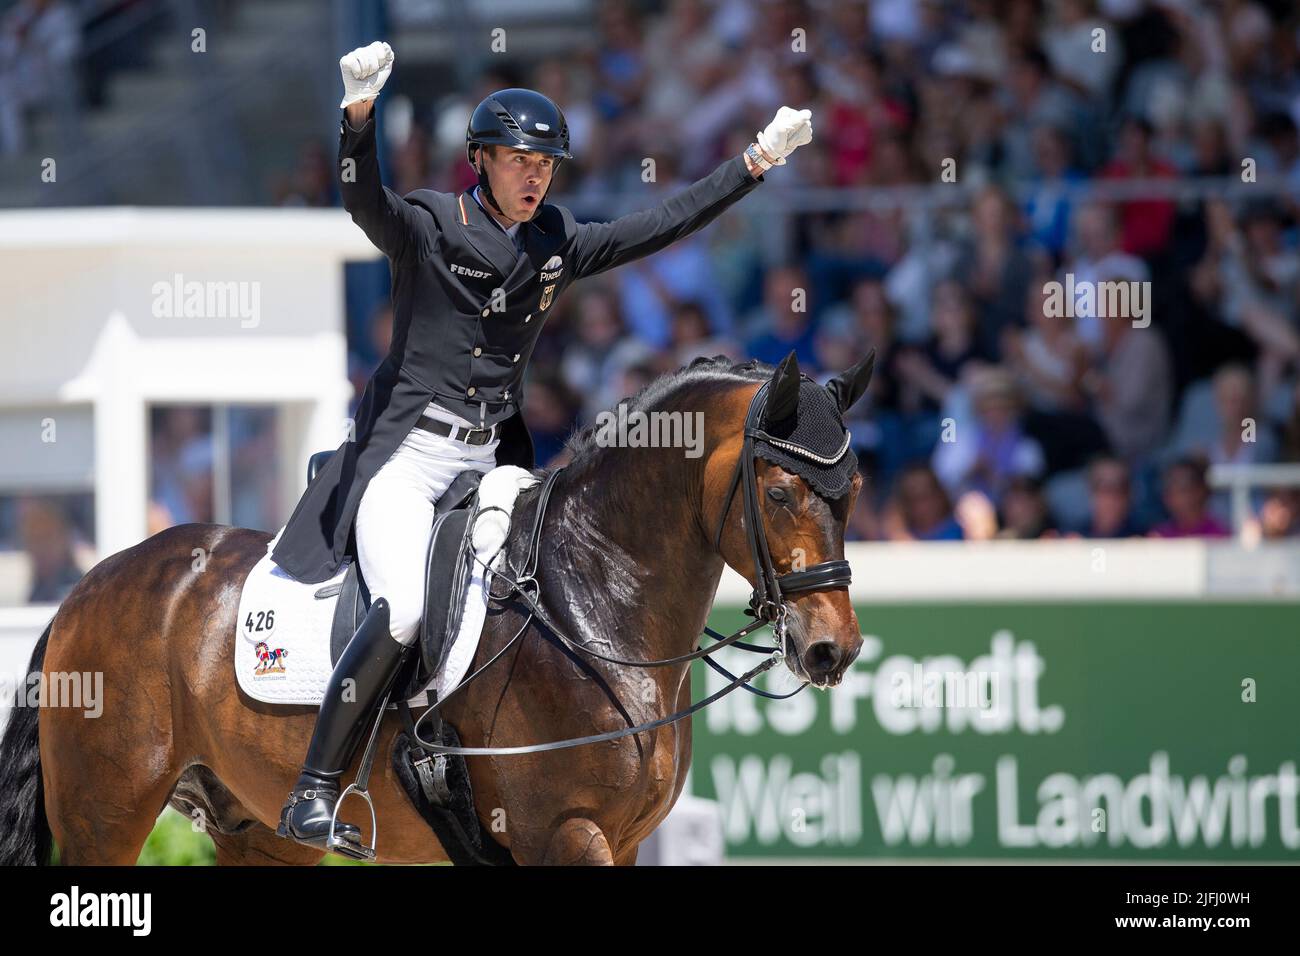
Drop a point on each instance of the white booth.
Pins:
(109, 312)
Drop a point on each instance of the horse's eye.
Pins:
(778, 495)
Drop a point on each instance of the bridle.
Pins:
(766, 603)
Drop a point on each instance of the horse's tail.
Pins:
(24, 831)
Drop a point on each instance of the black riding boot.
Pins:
(371, 661)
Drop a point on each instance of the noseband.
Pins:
(766, 602)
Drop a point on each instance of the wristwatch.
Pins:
(756, 157)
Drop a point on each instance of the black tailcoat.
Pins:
(467, 309)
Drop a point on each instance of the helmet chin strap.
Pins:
(484, 185)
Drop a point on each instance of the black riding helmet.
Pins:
(518, 119)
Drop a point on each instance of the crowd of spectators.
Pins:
(39, 43)
(57, 58)
(991, 413)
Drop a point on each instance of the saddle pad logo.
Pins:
(258, 628)
(270, 660)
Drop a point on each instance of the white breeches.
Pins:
(395, 520)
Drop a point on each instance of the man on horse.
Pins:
(473, 278)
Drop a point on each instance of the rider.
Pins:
(473, 276)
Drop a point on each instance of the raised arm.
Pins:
(601, 246)
(395, 226)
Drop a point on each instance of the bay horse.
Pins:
(629, 563)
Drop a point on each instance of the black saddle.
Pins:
(447, 572)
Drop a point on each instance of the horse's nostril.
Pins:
(822, 657)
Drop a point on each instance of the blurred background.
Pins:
(965, 154)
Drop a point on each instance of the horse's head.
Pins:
(803, 484)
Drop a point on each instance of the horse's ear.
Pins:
(783, 393)
(848, 386)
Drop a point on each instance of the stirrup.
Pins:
(344, 847)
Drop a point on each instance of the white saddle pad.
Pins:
(282, 653)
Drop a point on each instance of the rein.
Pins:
(766, 604)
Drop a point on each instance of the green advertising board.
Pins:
(1063, 731)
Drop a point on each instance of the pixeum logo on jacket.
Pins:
(551, 271)
(103, 909)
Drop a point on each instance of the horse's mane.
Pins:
(718, 373)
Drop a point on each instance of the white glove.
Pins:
(787, 132)
(365, 71)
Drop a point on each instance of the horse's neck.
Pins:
(633, 581)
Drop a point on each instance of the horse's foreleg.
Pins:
(627, 857)
(578, 842)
